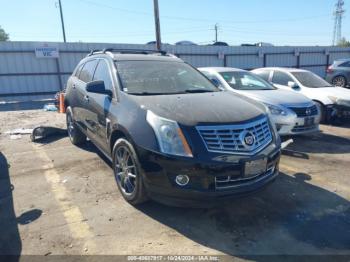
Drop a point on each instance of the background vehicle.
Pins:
(291, 112)
(331, 101)
(220, 44)
(185, 42)
(338, 74)
(261, 44)
(148, 112)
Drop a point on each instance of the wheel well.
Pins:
(343, 76)
(318, 102)
(115, 136)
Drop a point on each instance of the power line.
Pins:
(111, 35)
(206, 20)
(267, 33)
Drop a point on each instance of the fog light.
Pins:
(182, 180)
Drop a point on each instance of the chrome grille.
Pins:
(229, 138)
(305, 111)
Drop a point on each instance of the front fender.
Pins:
(134, 127)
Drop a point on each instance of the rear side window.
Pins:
(264, 75)
(102, 73)
(87, 71)
(78, 70)
(281, 78)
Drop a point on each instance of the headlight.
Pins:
(333, 99)
(276, 110)
(169, 135)
(339, 101)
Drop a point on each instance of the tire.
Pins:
(339, 81)
(128, 173)
(322, 110)
(75, 135)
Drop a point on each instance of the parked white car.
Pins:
(331, 101)
(292, 113)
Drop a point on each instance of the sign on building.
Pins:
(46, 51)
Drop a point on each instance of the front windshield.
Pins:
(309, 79)
(241, 80)
(157, 77)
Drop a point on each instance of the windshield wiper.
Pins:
(192, 91)
(152, 93)
(145, 94)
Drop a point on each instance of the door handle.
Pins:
(74, 86)
(86, 98)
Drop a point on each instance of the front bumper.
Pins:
(296, 125)
(211, 182)
(342, 111)
(337, 112)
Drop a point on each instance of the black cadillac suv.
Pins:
(171, 134)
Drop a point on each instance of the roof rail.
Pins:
(128, 51)
(93, 51)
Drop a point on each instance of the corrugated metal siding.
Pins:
(202, 60)
(282, 60)
(245, 61)
(25, 84)
(22, 60)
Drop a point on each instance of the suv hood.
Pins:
(205, 108)
(276, 97)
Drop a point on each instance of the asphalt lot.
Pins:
(56, 198)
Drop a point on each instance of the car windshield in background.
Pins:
(158, 78)
(309, 79)
(245, 81)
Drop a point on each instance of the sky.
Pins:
(280, 22)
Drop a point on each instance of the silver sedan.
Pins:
(292, 113)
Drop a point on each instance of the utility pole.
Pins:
(62, 21)
(216, 28)
(157, 24)
(338, 14)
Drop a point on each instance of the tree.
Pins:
(343, 43)
(3, 35)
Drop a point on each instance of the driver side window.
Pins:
(281, 78)
(102, 73)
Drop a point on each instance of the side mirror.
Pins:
(293, 85)
(98, 87)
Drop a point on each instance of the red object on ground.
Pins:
(62, 108)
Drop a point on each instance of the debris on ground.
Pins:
(41, 132)
(20, 131)
(15, 137)
(286, 143)
(50, 107)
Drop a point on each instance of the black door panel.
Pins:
(99, 106)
